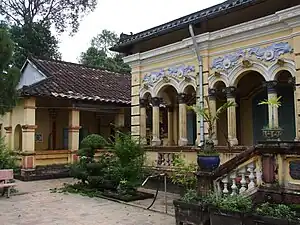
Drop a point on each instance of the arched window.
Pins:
(18, 138)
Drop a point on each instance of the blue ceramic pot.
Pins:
(208, 163)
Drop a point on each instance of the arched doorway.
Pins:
(251, 117)
(286, 113)
(168, 115)
(191, 115)
(222, 123)
(18, 138)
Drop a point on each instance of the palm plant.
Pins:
(273, 103)
(210, 117)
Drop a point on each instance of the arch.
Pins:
(18, 138)
(144, 93)
(276, 68)
(184, 85)
(239, 71)
(161, 84)
(213, 79)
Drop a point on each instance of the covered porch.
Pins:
(53, 128)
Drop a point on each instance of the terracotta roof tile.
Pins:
(75, 81)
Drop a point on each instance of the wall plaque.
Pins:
(295, 169)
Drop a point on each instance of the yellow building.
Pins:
(246, 51)
(60, 104)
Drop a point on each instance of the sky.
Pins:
(126, 16)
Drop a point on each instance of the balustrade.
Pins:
(165, 159)
(243, 180)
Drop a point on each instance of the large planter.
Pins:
(263, 220)
(189, 213)
(208, 163)
(272, 134)
(218, 217)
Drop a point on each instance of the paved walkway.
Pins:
(35, 204)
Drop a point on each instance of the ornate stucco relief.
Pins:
(266, 55)
(178, 73)
(176, 76)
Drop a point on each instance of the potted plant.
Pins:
(192, 209)
(272, 132)
(275, 214)
(208, 157)
(230, 210)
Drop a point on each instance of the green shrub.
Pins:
(276, 211)
(235, 203)
(183, 173)
(191, 196)
(121, 169)
(94, 141)
(8, 159)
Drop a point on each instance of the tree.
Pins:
(99, 55)
(36, 41)
(9, 76)
(104, 41)
(61, 13)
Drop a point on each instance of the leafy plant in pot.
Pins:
(208, 157)
(272, 132)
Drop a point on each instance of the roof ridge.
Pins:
(76, 64)
(178, 23)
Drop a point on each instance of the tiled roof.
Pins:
(79, 82)
(177, 24)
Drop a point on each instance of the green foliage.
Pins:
(120, 169)
(279, 211)
(94, 141)
(60, 13)
(235, 203)
(33, 40)
(274, 103)
(7, 158)
(191, 196)
(184, 173)
(209, 116)
(9, 76)
(99, 55)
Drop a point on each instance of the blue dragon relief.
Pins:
(272, 52)
(178, 72)
(226, 62)
(268, 54)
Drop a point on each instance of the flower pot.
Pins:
(190, 213)
(272, 134)
(208, 163)
(219, 217)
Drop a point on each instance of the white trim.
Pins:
(280, 21)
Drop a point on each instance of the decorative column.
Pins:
(213, 107)
(143, 121)
(155, 122)
(120, 120)
(28, 136)
(231, 116)
(73, 138)
(182, 120)
(170, 126)
(8, 130)
(175, 124)
(273, 111)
